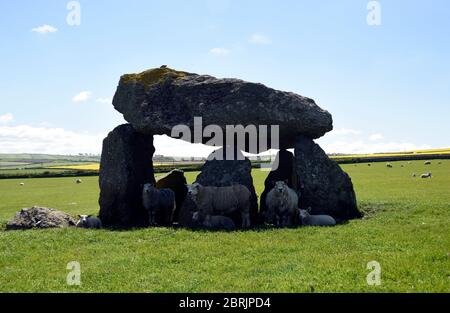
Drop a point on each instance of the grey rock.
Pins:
(323, 185)
(126, 165)
(156, 100)
(39, 217)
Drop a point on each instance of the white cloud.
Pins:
(104, 100)
(29, 139)
(44, 29)
(344, 132)
(6, 118)
(82, 96)
(219, 51)
(376, 137)
(260, 39)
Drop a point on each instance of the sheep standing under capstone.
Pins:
(307, 219)
(213, 222)
(282, 204)
(389, 165)
(78, 181)
(222, 200)
(88, 221)
(426, 175)
(160, 204)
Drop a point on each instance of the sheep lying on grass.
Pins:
(426, 175)
(160, 204)
(389, 165)
(315, 220)
(22, 184)
(213, 222)
(88, 221)
(282, 203)
(78, 181)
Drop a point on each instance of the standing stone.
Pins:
(284, 171)
(126, 165)
(324, 186)
(222, 172)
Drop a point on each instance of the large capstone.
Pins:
(126, 165)
(156, 100)
(220, 172)
(323, 185)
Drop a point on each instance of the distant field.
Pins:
(406, 229)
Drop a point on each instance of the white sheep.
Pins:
(88, 221)
(426, 175)
(78, 181)
(389, 165)
(427, 162)
(315, 220)
(282, 203)
(22, 184)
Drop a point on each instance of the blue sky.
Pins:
(386, 86)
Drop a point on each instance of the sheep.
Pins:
(389, 165)
(22, 184)
(88, 221)
(222, 200)
(426, 175)
(315, 220)
(213, 222)
(282, 203)
(160, 204)
(369, 164)
(427, 163)
(78, 181)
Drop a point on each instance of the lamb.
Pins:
(389, 165)
(282, 203)
(213, 222)
(160, 204)
(88, 221)
(315, 220)
(222, 200)
(78, 181)
(426, 175)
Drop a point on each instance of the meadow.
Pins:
(405, 229)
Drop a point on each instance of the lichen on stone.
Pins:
(153, 76)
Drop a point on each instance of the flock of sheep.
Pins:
(215, 204)
(424, 175)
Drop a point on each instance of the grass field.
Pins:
(406, 229)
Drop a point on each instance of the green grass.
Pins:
(406, 229)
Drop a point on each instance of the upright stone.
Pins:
(223, 172)
(324, 186)
(126, 165)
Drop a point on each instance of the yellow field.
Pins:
(394, 154)
(83, 167)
